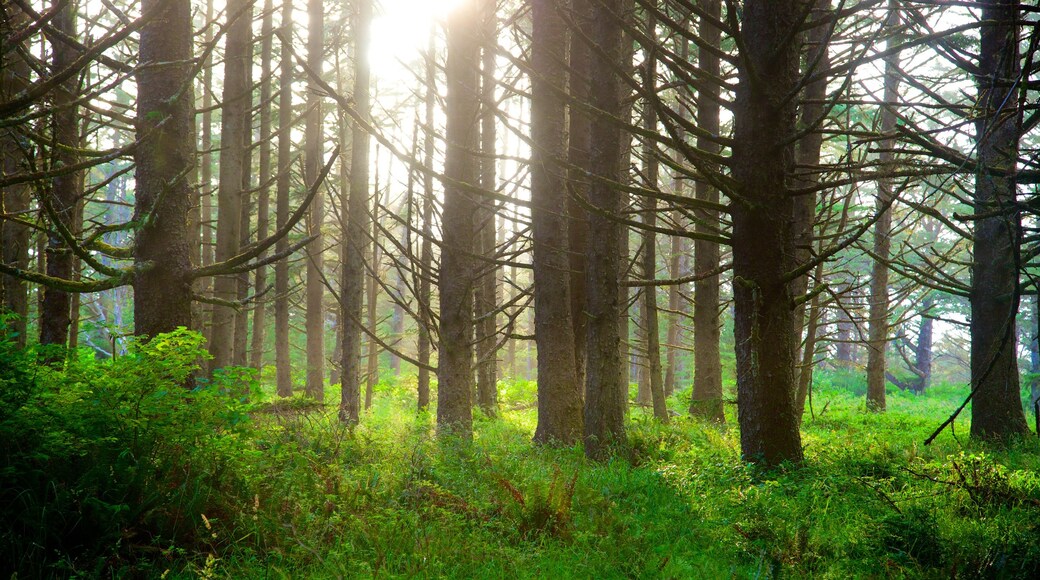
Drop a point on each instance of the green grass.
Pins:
(289, 492)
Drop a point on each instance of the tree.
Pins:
(14, 199)
(879, 301)
(651, 167)
(457, 271)
(997, 409)
(63, 198)
(355, 236)
(235, 136)
(707, 368)
(604, 397)
(165, 161)
(313, 137)
(486, 292)
(763, 240)
(283, 370)
(559, 392)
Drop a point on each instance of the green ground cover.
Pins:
(113, 469)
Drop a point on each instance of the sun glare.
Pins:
(400, 32)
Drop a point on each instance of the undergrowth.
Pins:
(116, 469)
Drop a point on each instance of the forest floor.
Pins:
(280, 489)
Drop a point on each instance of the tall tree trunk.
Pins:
(579, 156)
(486, 293)
(763, 240)
(457, 273)
(14, 199)
(426, 243)
(239, 353)
(706, 401)
(879, 308)
(372, 372)
(263, 201)
(651, 325)
(234, 139)
(204, 286)
(312, 153)
(605, 368)
(165, 160)
(66, 189)
(283, 370)
(352, 281)
(807, 152)
(996, 412)
(676, 254)
(559, 392)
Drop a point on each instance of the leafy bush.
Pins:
(106, 463)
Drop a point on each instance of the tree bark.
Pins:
(996, 412)
(234, 139)
(313, 138)
(165, 162)
(426, 244)
(605, 368)
(65, 190)
(14, 199)
(559, 392)
(487, 290)
(763, 240)
(578, 154)
(263, 200)
(706, 401)
(879, 307)
(651, 324)
(352, 282)
(283, 370)
(457, 274)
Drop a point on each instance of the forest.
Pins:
(519, 288)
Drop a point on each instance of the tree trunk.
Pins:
(312, 153)
(807, 175)
(996, 412)
(763, 240)
(559, 392)
(65, 190)
(283, 370)
(204, 286)
(457, 273)
(240, 350)
(879, 308)
(263, 200)
(486, 293)
(14, 199)
(234, 139)
(352, 282)
(579, 156)
(426, 243)
(676, 255)
(923, 350)
(651, 325)
(372, 372)
(605, 368)
(706, 401)
(165, 160)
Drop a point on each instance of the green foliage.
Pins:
(118, 469)
(107, 461)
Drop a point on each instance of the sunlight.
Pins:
(400, 32)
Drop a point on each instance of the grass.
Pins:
(280, 489)
(392, 500)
